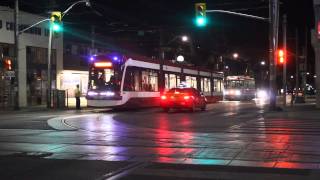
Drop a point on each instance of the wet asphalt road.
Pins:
(149, 143)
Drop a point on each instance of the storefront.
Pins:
(69, 79)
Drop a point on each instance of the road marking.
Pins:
(122, 172)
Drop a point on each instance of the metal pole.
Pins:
(297, 64)
(49, 67)
(237, 14)
(284, 26)
(305, 63)
(16, 53)
(162, 57)
(316, 46)
(272, 45)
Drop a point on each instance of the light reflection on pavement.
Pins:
(224, 135)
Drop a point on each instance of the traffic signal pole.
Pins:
(273, 40)
(273, 21)
(16, 53)
(49, 67)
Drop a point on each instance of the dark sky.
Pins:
(224, 34)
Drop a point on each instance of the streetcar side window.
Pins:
(205, 85)
(218, 85)
(149, 80)
(191, 81)
(138, 79)
(171, 81)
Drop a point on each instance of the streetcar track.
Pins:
(122, 172)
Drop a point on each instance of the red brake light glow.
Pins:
(186, 97)
(103, 64)
(163, 97)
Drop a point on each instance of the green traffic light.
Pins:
(201, 21)
(56, 27)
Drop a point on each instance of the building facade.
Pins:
(32, 59)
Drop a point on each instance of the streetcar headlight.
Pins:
(262, 94)
(92, 93)
(107, 93)
(238, 92)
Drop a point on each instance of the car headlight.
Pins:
(238, 92)
(226, 92)
(262, 94)
(92, 93)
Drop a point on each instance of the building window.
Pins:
(46, 32)
(0, 24)
(74, 49)
(37, 55)
(9, 26)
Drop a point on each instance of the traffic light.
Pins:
(281, 56)
(55, 19)
(201, 19)
(7, 64)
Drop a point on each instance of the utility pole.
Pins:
(16, 54)
(315, 35)
(273, 40)
(49, 66)
(284, 26)
(305, 63)
(297, 64)
(162, 57)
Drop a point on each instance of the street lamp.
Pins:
(263, 63)
(180, 58)
(184, 38)
(235, 55)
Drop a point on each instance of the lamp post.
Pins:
(183, 38)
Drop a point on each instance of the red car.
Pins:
(183, 98)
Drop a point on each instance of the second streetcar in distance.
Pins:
(239, 88)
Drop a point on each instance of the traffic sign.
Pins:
(9, 74)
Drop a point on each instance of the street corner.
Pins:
(60, 123)
(86, 122)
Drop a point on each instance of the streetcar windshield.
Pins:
(233, 84)
(102, 78)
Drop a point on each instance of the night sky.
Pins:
(224, 34)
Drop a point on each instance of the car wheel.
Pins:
(166, 109)
(204, 107)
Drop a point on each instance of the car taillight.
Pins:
(187, 97)
(163, 97)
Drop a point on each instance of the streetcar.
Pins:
(239, 88)
(122, 81)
